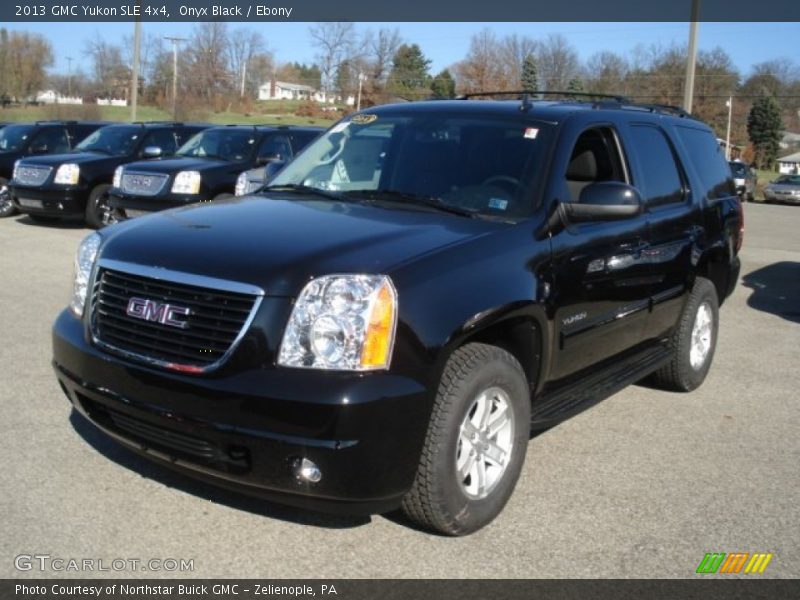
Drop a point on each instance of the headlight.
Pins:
(241, 185)
(84, 261)
(342, 322)
(68, 174)
(117, 181)
(16, 166)
(186, 182)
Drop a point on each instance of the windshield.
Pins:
(481, 165)
(14, 138)
(223, 143)
(116, 140)
(738, 169)
(789, 179)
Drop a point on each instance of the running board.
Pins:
(576, 397)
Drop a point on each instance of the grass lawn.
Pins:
(281, 116)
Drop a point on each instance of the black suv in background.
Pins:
(76, 184)
(387, 320)
(43, 137)
(206, 167)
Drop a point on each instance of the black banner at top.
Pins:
(406, 10)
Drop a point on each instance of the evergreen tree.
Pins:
(443, 85)
(575, 85)
(530, 74)
(409, 76)
(764, 130)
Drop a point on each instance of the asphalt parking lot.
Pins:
(641, 485)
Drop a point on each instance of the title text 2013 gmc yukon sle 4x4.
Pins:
(386, 321)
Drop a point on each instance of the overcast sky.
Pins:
(446, 43)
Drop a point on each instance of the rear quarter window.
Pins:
(708, 160)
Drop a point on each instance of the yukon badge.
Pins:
(574, 318)
(157, 312)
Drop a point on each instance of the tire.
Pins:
(476, 376)
(7, 207)
(691, 356)
(96, 205)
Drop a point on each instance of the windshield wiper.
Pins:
(306, 189)
(417, 199)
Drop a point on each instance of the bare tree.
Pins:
(244, 45)
(381, 46)
(558, 62)
(334, 43)
(481, 70)
(24, 57)
(512, 51)
(206, 71)
(606, 73)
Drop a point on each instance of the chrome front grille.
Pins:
(173, 324)
(143, 184)
(31, 174)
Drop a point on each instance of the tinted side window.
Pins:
(661, 181)
(709, 161)
(53, 140)
(275, 145)
(164, 139)
(301, 139)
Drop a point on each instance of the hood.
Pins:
(279, 244)
(80, 158)
(171, 165)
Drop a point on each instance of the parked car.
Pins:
(745, 178)
(206, 168)
(43, 137)
(251, 180)
(76, 184)
(384, 324)
(785, 188)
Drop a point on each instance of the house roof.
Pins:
(792, 158)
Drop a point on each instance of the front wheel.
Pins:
(7, 208)
(476, 442)
(97, 206)
(694, 341)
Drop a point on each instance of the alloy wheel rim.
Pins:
(5, 197)
(485, 443)
(702, 332)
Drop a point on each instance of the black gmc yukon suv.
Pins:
(76, 184)
(385, 323)
(19, 140)
(207, 167)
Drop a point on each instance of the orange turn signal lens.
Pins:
(379, 337)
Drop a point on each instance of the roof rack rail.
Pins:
(167, 122)
(56, 121)
(662, 108)
(615, 97)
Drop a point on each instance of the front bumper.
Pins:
(51, 201)
(772, 196)
(246, 430)
(126, 205)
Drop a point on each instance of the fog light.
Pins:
(306, 470)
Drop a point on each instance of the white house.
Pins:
(789, 165)
(53, 97)
(282, 90)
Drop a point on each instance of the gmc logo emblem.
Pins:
(157, 312)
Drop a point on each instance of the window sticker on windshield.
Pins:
(363, 119)
(531, 133)
(498, 203)
(339, 127)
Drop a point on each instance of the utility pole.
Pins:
(244, 76)
(729, 104)
(69, 76)
(137, 42)
(174, 41)
(691, 59)
(361, 78)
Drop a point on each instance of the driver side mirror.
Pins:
(152, 152)
(599, 201)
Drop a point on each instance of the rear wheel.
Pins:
(476, 442)
(97, 206)
(6, 204)
(694, 341)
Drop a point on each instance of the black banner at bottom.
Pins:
(386, 589)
